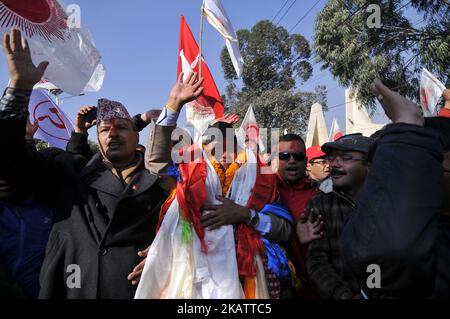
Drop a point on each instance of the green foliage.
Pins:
(275, 62)
(41, 145)
(396, 52)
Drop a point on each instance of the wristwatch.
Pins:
(254, 219)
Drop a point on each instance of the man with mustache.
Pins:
(104, 211)
(349, 168)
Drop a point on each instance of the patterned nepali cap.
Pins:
(108, 110)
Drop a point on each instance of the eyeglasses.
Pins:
(285, 156)
(320, 162)
(344, 158)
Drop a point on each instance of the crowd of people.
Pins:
(356, 218)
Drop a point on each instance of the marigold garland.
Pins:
(226, 176)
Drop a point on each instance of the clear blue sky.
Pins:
(138, 41)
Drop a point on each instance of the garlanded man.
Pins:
(218, 232)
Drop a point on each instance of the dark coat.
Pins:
(395, 221)
(99, 224)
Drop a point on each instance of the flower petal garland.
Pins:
(226, 175)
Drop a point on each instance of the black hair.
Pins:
(222, 127)
(292, 138)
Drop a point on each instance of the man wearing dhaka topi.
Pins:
(106, 210)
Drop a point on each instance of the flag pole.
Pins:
(201, 41)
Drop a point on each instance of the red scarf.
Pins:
(248, 239)
(191, 193)
(296, 197)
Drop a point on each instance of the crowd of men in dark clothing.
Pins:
(370, 215)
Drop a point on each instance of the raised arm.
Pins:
(17, 164)
(159, 147)
(394, 224)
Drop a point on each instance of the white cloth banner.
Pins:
(69, 48)
(94, 85)
(430, 92)
(216, 15)
(54, 125)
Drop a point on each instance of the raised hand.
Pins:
(150, 115)
(398, 108)
(228, 118)
(185, 91)
(22, 72)
(81, 125)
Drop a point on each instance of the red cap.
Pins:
(314, 152)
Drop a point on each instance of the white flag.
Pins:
(430, 92)
(54, 126)
(216, 15)
(96, 82)
(335, 132)
(54, 37)
(44, 84)
(249, 131)
(94, 85)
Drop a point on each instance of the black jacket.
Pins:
(394, 224)
(99, 224)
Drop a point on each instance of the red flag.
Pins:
(189, 52)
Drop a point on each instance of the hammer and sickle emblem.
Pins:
(59, 123)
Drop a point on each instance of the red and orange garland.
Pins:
(226, 175)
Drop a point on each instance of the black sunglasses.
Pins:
(285, 156)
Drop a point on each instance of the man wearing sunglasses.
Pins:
(296, 189)
(294, 186)
(349, 168)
